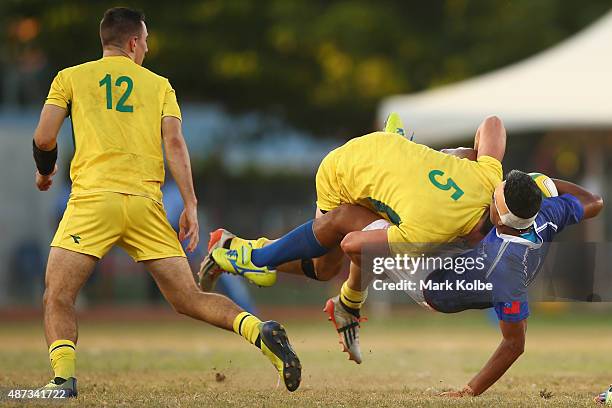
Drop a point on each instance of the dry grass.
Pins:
(408, 359)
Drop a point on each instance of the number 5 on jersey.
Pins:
(121, 106)
(450, 183)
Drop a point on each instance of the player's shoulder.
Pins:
(559, 200)
(152, 75)
(565, 202)
(548, 204)
(149, 76)
(488, 161)
(120, 62)
(85, 66)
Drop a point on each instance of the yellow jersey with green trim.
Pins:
(116, 107)
(428, 196)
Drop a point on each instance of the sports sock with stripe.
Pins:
(62, 354)
(301, 243)
(352, 299)
(247, 325)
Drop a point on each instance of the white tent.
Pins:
(568, 86)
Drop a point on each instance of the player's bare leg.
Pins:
(344, 310)
(175, 280)
(328, 230)
(67, 272)
(357, 280)
(346, 321)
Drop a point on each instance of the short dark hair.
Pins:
(522, 194)
(119, 24)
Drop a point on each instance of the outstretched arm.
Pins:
(509, 350)
(45, 143)
(490, 139)
(179, 164)
(591, 202)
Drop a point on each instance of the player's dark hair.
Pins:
(522, 194)
(119, 24)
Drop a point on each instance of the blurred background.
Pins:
(268, 88)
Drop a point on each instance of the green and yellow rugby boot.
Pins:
(221, 238)
(394, 124)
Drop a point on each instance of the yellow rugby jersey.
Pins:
(429, 196)
(116, 108)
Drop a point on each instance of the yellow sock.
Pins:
(352, 298)
(62, 354)
(247, 325)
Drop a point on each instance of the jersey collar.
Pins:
(522, 241)
(117, 57)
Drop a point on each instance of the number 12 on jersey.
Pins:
(121, 106)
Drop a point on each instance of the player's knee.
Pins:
(53, 297)
(46, 298)
(350, 244)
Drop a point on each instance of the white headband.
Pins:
(506, 216)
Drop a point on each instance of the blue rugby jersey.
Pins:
(510, 263)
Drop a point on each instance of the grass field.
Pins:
(408, 358)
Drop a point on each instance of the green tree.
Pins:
(321, 65)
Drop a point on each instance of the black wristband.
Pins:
(45, 160)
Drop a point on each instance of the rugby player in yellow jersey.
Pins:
(121, 116)
(427, 196)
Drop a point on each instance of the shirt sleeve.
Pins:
(491, 169)
(562, 210)
(170, 107)
(395, 237)
(401, 243)
(60, 93)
